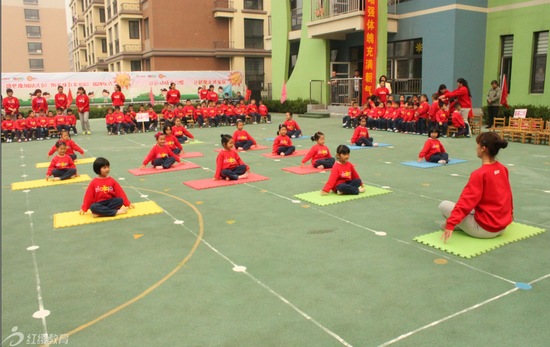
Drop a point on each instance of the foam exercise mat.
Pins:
(190, 142)
(76, 162)
(255, 148)
(316, 198)
(466, 246)
(353, 147)
(296, 153)
(70, 219)
(43, 183)
(187, 155)
(149, 170)
(308, 169)
(428, 165)
(211, 183)
(292, 138)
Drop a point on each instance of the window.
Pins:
(102, 15)
(147, 64)
(540, 52)
(253, 5)
(34, 47)
(104, 45)
(36, 64)
(135, 65)
(133, 29)
(507, 45)
(33, 31)
(254, 33)
(405, 59)
(31, 14)
(146, 28)
(254, 75)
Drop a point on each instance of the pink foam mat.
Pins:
(255, 148)
(151, 170)
(308, 169)
(211, 183)
(186, 155)
(297, 153)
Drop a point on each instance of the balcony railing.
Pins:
(100, 29)
(82, 43)
(132, 48)
(296, 18)
(129, 8)
(335, 8)
(407, 86)
(224, 44)
(223, 4)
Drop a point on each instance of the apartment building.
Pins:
(26, 25)
(420, 44)
(179, 35)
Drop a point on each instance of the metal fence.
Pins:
(330, 8)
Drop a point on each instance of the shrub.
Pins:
(298, 106)
(532, 111)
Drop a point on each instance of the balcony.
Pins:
(132, 48)
(94, 2)
(81, 43)
(78, 19)
(296, 19)
(83, 68)
(408, 86)
(224, 9)
(129, 9)
(99, 30)
(334, 22)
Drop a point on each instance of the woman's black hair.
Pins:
(495, 82)
(60, 143)
(225, 139)
(317, 136)
(342, 149)
(99, 163)
(380, 79)
(465, 84)
(492, 141)
(434, 130)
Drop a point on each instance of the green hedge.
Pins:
(532, 111)
(298, 106)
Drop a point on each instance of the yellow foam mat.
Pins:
(70, 219)
(43, 183)
(76, 162)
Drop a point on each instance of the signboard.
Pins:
(142, 117)
(520, 113)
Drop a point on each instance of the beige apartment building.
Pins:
(34, 36)
(176, 35)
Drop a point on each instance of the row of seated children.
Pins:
(408, 118)
(35, 127)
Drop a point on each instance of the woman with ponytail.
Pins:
(485, 207)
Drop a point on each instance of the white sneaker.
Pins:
(442, 161)
(254, 123)
(375, 144)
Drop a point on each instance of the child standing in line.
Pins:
(343, 177)
(171, 141)
(319, 153)
(181, 133)
(458, 122)
(441, 118)
(242, 139)
(422, 112)
(229, 165)
(361, 137)
(434, 107)
(71, 146)
(433, 150)
(62, 166)
(104, 196)
(293, 129)
(160, 155)
(282, 145)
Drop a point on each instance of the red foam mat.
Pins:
(308, 169)
(255, 148)
(211, 183)
(297, 153)
(151, 170)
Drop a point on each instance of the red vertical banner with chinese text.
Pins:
(370, 48)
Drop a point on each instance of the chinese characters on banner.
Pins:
(371, 43)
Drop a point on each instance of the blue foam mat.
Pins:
(353, 147)
(428, 165)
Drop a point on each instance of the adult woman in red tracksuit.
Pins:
(485, 207)
(173, 96)
(464, 97)
(118, 97)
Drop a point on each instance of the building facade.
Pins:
(420, 45)
(26, 25)
(148, 35)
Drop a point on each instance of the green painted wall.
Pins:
(313, 61)
(521, 22)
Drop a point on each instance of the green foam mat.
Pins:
(466, 246)
(316, 198)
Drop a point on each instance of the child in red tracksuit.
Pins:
(119, 120)
(282, 145)
(71, 146)
(361, 137)
(433, 150)
(71, 121)
(42, 125)
(319, 153)
(292, 127)
(161, 156)
(104, 196)
(171, 141)
(21, 128)
(181, 133)
(264, 112)
(8, 128)
(350, 120)
(343, 177)
(485, 207)
(110, 121)
(62, 166)
(229, 165)
(458, 122)
(242, 139)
